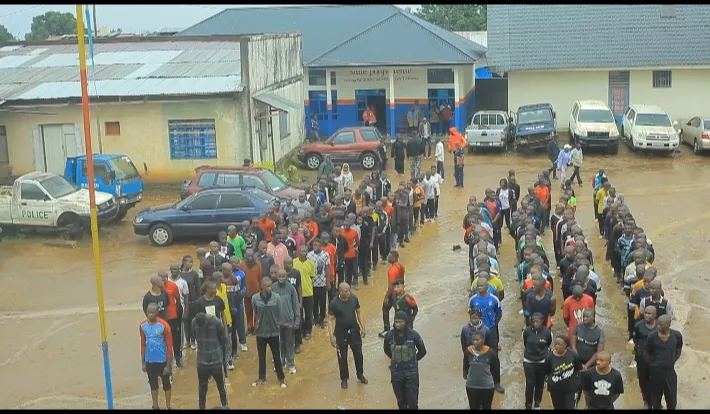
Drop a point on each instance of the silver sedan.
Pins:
(696, 132)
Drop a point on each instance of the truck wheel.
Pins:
(313, 161)
(121, 214)
(71, 225)
(614, 149)
(161, 235)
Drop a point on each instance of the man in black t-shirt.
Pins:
(210, 303)
(663, 349)
(156, 295)
(346, 329)
(602, 384)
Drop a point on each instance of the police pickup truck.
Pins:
(46, 201)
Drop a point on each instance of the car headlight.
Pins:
(138, 220)
(582, 132)
(614, 133)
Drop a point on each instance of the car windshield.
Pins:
(534, 117)
(660, 120)
(273, 181)
(370, 135)
(595, 115)
(706, 124)
(58, 186)
(262, 195)
(124, 167)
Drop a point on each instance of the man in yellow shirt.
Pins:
(418, 198)
(599, 203)
(494, 280)
(307, 269)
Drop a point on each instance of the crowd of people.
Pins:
(575, 362)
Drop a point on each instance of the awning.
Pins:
(277, 102)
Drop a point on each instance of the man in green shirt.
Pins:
(237, 242)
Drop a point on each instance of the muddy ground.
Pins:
(50, 329)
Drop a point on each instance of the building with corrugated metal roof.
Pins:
(622, 54)
(360, 56)
(170, 103)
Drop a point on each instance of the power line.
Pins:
(20, 11)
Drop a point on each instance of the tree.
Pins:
(455, 17)
(51, 23)
(5, 36)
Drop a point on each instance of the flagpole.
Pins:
(92, 200)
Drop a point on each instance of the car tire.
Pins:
(621, 133)
(313, 161)
(614, 149)
(161, 235)
(368, 161)
(696, 147)
(120, 215)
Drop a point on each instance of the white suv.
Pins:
(649, 127)
(592, 124)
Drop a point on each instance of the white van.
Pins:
(592, 124)
(649, 127)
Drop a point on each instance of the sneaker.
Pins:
(500, 389)
(258, 382)
(633, 365)
(344, 384)
(283, 383)
(631, 341)
(230, 366)
(362, 379)
(365, 282)
(292, 370)
(193, 345)
(520, 312)
(298, 349)
(356, 286)
(244, 348)
(537, 407)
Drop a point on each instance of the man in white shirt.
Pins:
(437, 180)
(429, 196)
(439, 155)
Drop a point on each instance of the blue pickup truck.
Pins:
(114, 174)
(535, 126)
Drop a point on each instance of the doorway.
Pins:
(619, 94)
(53, 143)
(377, 100)
(440, 96)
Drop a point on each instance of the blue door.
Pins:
(375, 99)
(618, 94)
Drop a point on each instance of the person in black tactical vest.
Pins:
(405, 348)
(401, 302)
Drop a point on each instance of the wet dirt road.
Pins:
(50, 330)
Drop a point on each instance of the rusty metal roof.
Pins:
(146, 68)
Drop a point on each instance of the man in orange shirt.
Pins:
(395, 273)
(368, 116)
(455, 139)
(312, 227)
(574, 306)
(329, 247)
(267, 226)
(171, 311)
(542, 190)
(351, 248)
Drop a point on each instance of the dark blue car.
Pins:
(202, 215)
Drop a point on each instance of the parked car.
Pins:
(535, 126)
(347, 145)
(593, 125)
(201, 215)
(261, 178)
(114, 174)
(696, 132)
(649, 127)
(48, 202)
(488, 129)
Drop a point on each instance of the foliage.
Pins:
(455, 17)
(288, 172)
(5, 35)
(52, 23)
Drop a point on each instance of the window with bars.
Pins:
(192, 139)
(661, 78)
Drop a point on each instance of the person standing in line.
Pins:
(415, 150)
(425, 133)
(307, 269)
(194, 283)
(237, 242)
(459, 162)
(320, 282)
(562, 366)
(602, 384)
(480, 388)
(346, 329)
(156, 353)
(315, 129)
(236, 289)
(352, 242)
(537, 340)
(428, 184)
(212, 349)
(434, 118)
(587, 341)
(439, 155)
(641, 332)
(506, 197)
(294, 278)
(577, 159)
(382, 153)
(252, 269)
(574, 306)
(268, 319)
(402, 204)
(277, 250)
(405, 348)
(265, 258)
(398, 153)
(491, 313)
(184, 293)
(438, 180)
(174, 316)
(663, 349)
(291, 319)
(156, 295)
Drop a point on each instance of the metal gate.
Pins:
(53, 143)
(491, 95)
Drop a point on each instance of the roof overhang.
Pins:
(277, 102)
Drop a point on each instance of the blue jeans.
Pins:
(458, 175)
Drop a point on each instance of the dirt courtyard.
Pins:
(50, 328)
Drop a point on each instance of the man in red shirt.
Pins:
(574, 306)
(351, 248)
(329, 247)
(266, 225)
(394, 273)
(171, 311)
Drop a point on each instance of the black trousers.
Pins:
(436, 206)
(405, 385)
(553, 170)
(187, 318)
(403, 221)
(340, 272)
(431, 208)
(480, 399)
(349, 339)
(307, 316)
(427, 147)
(273, 343)
(423, 212)
(630, 322)
(664, 383)
(320, 296)
(203, 376)
(562, 400)
(364, 257)
(643, 373)
(506, 217)
(176, 328)
(534, 383)
(576, 174)
(416, 218)
(440, 168)
(350, 270)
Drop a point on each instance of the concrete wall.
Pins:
(410, 85)
(688, 92)
(144, 133)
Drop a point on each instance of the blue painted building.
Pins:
(361, 56)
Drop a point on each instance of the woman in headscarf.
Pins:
(347, 177)
(326, 167)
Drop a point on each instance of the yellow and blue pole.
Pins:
(92, 197)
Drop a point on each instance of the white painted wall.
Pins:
(687, 96)
(480, 37)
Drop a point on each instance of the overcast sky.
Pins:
(18, 18)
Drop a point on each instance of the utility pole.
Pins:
(93, 14)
